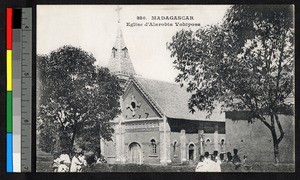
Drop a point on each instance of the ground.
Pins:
(44, 165)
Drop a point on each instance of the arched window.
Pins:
(174, 146)
(208, 140)
(125, 52)
(153, 146)
(114, 51)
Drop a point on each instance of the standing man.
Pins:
(76, 163)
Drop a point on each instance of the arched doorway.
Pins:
(191, 152)
(135, 153)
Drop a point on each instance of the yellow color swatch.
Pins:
(9, 69)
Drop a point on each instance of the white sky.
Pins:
(94, 29)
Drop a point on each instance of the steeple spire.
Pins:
(120, 62)
(118, 10)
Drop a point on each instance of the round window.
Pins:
(133, 105)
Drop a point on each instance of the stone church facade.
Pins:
(156, 126)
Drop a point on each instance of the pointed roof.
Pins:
(119, 42)
(171, 100)
(120, 61)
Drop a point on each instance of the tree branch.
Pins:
(62, 124)
(264, 121)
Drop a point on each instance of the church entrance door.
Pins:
(135, 153)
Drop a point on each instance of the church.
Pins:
(156, 126)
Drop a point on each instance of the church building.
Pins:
(156, 126)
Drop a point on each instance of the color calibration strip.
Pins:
(18, 96)
(9, 115)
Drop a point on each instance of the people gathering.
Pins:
(207, 162)
(212, 162)
(63, 163)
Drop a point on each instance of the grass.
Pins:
(226, 167)
(138, 168)
(45, 166)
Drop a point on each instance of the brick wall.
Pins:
(144, 138)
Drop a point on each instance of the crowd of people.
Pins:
(212, 163)
(207, 162)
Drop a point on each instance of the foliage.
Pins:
(246, 63)
(75, 100)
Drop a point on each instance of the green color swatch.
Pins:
(9, 113)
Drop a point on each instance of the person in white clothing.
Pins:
(81, 158)
(62, 168)
(76, 163)
(64, 162)
(217, 165)
(201, 165)
(65, 158)
(208, 163)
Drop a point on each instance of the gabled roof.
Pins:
(172, 100)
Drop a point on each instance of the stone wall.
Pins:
(255, 141)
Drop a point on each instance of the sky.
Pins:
(94, 29)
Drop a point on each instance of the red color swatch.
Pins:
(9, 12)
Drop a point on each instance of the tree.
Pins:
(245, 63)
(75, 100)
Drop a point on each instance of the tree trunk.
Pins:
(276, 141)
(276, 152)
(275, 145)
(72, 140)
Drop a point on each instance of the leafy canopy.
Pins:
(75, 100)
(246, 62)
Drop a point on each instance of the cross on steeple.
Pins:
(120, 63)
(118, 10)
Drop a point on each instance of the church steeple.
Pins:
(120, 62)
